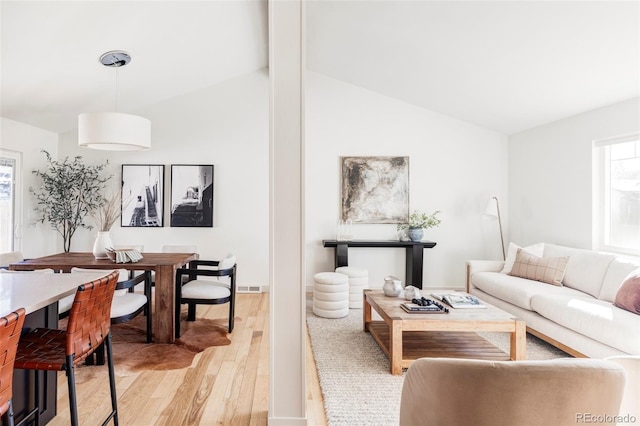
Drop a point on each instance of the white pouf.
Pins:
(358, 281)
(331, 295)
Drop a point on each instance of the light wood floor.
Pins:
(225, 385)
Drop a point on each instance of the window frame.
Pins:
(602, 193)
(17, 196)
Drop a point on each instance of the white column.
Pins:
(287, 313)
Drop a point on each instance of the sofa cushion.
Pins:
(618, 270)
(586, 268)
(515, 290)
(535, 249)
(591, 317)
(548, 270)
(628, 296)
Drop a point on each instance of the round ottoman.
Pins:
(330, 295)
(358, 281)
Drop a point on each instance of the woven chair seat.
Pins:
(42, 349)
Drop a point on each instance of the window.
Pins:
(618, 195)
(9, 200)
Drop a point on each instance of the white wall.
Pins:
(38, 239)
(226, 125)
(550, 175)
(454, 167)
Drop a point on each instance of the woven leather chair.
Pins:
(126, 304)
(10, 329)
(205, 291)
(61, 350)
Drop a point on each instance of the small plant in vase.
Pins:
(418, 222)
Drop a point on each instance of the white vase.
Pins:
(103, 240)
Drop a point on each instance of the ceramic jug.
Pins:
(392, 286)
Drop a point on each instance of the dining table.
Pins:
(164, 265)
(38, 294)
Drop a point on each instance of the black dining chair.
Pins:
(203, 285)
(127, 304)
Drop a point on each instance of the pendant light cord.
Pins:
(117, 88)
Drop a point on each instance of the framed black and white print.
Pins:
(375, 189)
(191, 195)
(142, 199)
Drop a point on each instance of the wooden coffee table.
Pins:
(405, 337)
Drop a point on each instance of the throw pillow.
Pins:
(535, 249)
(628, 295)
(548, 270)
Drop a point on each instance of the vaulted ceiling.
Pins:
(504, 65)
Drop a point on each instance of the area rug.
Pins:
(132, 354)
(354, 372)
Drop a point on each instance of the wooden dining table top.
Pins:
(66, 261)
(164, 265)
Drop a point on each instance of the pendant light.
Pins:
(114, 131)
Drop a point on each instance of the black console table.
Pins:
(414, 254)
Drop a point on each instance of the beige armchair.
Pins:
(452, 392)
(630, 407)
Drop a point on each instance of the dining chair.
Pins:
(64, 304)
(174, 248)
(10, 330)
(10, 257)
(126, 303)
(44, 349)
(204, 286)
(41, 271)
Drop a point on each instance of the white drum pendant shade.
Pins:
(113, 131)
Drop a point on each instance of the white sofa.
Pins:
(578, 317)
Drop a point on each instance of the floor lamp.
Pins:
(492, 212)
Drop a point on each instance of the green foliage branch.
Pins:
(70, 191)
(422, 220)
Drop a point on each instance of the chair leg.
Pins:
(7, 418)
(178, 309)
(191, 312)
(99, 354)
(112, 381)
(149, 325)
(71, 383)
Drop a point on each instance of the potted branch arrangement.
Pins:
(104, 217)
(417, 223)
(70, 191)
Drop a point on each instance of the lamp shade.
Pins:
(491, 210)
(113, 131)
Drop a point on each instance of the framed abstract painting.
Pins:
(375, 189)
